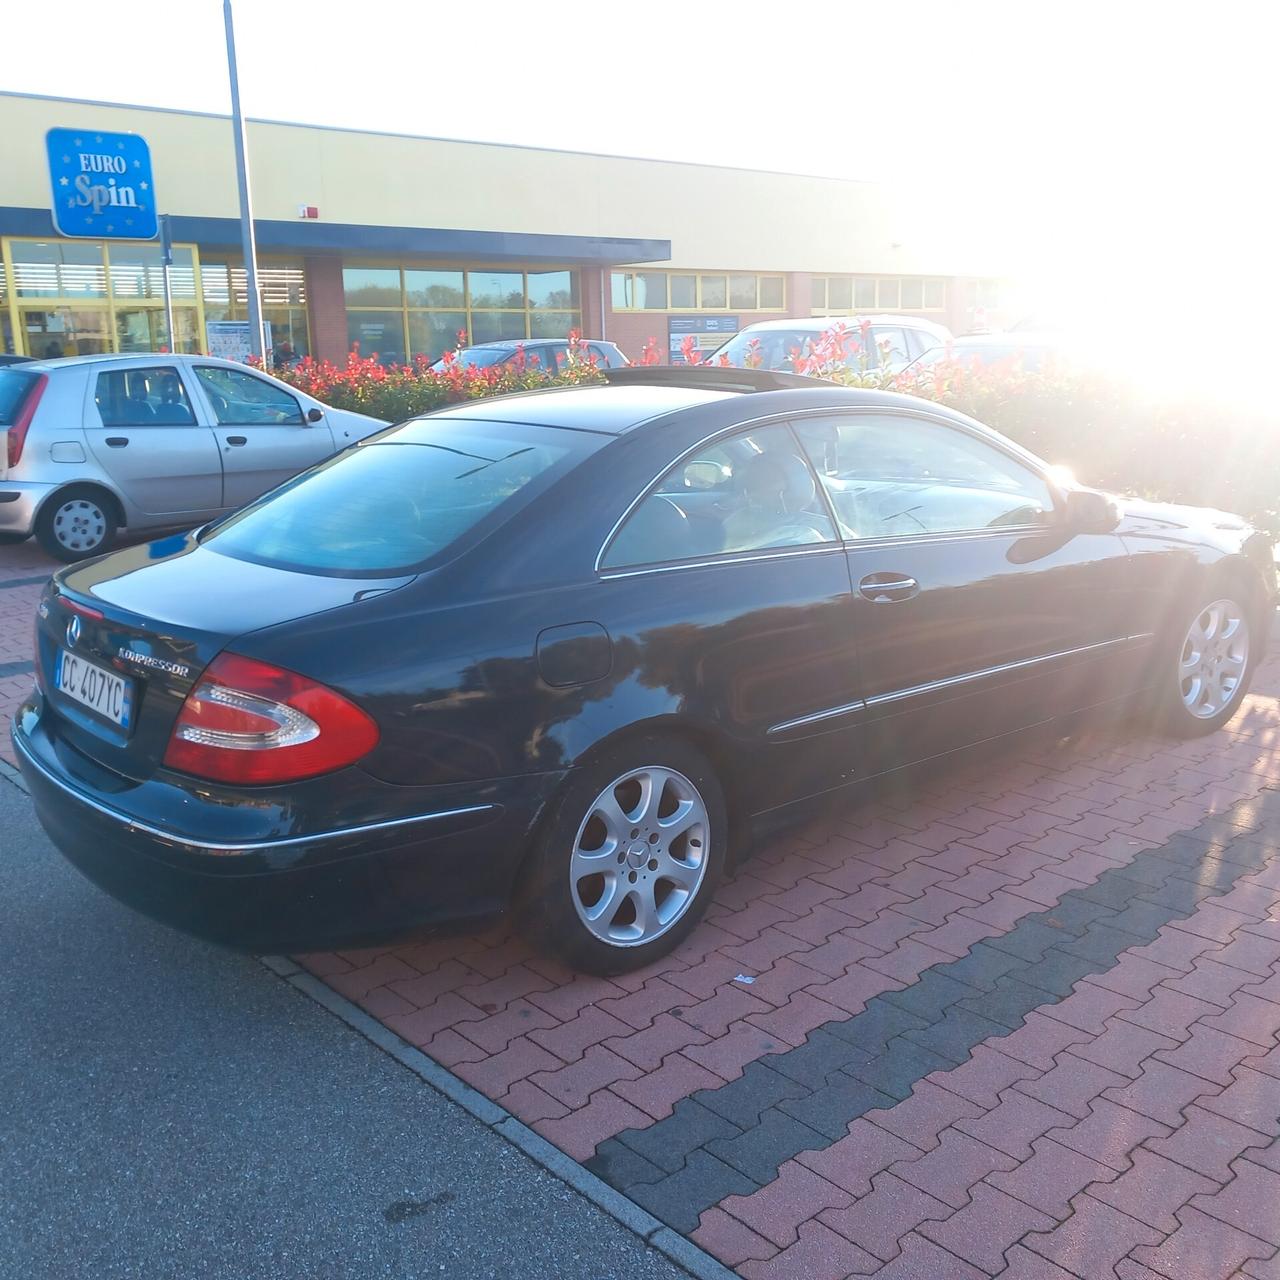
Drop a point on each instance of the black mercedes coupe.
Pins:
(565, 651)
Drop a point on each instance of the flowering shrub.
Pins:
(1194, 450)
(394, 392)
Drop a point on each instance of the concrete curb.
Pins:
(10, 774)
(697, 1262)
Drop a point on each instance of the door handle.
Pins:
(237, 440)
(883, 588)
(117, 442)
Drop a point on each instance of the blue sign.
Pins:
(102, 185)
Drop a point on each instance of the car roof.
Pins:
(820, 324)
(513, 344)
(137, 357)
(1019, 339)
(610, 410)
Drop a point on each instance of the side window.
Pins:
(891, 475)
(751, 492)
(142, 397)
(892, 346)
(554, 357)
(604, 358)
(243, 400)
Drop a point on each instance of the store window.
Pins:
(834, 295)
(90, 298)
(694, 291)
(403, 314)
(282, 285)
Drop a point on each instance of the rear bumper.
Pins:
(19, 502)
(448, 861)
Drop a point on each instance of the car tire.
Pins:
(1208, 663)
(617, 878)
(77, 523)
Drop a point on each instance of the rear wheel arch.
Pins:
(105, 499)
(114, 502)
(704, 738)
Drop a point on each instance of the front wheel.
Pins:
(629, 857)
(1211, 668)
(76, 523)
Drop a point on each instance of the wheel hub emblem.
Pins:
(637, 855)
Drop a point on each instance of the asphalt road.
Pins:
(170, 1110)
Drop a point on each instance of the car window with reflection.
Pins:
(896, 475)
(401, 499)
(751, 492)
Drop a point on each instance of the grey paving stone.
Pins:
(1181, 895)
(680, 1198)
(1145, 918)
(819, 1057)
(831, 1109)
(1028, 940)
(1008, 1004)
(1075, 914)
(1101, 945)
(954, 1036)
(1211, 872)
(1057, 973)
(984, 966)
(691, 1126)
(621, 1167)
(896, 1071)
(876, 1025)
(760, 1152)
(744, 1100)
(929, 995)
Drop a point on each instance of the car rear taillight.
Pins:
(21, 423)
(252, 723)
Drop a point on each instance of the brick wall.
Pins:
(326, 309)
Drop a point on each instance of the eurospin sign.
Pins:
(102, 184)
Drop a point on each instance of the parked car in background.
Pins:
(550, 353)
(569, 649)
(94, 444)
(1029, 350)
(14, 359)
(894, 341)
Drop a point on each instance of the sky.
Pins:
(1125, 150)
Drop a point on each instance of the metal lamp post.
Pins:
(257, 345)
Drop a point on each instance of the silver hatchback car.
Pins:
(97, 443)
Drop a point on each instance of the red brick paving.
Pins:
(1128, 1130)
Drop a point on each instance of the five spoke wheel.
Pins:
(640, 856)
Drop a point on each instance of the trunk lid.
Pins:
(156, 616)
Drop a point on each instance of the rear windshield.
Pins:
(14, 386)
(397, 501)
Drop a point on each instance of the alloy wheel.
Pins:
(1214, 658)
(640, 856)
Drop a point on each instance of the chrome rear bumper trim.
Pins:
(249, 846)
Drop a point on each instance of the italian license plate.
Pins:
(102, 691)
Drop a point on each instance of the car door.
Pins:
(977, 609)
(143, 432)
(729, 582)
(262, 430)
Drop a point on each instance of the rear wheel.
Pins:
(77, 523)
(630, 856)
(1211, 668)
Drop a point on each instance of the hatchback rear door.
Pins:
(262, 431)
(143, 431)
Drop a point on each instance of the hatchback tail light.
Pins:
(21, 423)
(252, 723)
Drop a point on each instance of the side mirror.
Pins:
(1088, 511)
(314, 414)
